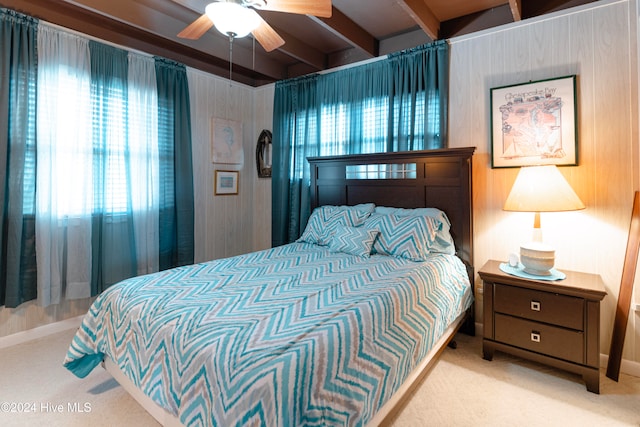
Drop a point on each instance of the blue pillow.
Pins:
(325, 219)
(444, 241)
(408, 237)
(353, 240)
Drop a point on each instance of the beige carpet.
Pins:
(462, 390)
(466, 390)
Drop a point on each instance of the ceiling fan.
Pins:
(237, 18)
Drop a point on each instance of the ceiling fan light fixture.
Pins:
(232, 19)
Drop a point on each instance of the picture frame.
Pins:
(534, 123)
(226, 142)
(226, 182)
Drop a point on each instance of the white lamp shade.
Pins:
(232, 19)
(542, 189)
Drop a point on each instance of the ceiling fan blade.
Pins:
(197, 28)
(320, 8)
(267, 36)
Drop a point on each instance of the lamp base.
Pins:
(537, 258)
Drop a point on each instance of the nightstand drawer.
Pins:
(541, 306)
(546, 339)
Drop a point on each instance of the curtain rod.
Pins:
(380, 58)
(95, 39)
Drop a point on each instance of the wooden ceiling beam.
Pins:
(301, 51)
(88, 22)
(342, 26)
(516, 9)
(424, 17)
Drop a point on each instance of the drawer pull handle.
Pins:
(535, 305)
(535, 336)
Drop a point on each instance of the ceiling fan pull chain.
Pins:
(231, 36)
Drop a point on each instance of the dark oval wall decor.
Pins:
(263, 154)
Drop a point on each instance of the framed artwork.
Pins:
(534, 123)
(226, 142)
(226, 182)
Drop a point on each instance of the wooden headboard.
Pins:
(434, 178)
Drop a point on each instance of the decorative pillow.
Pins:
(444, 241)
(324, 220)
(407, 237)
(353, 240)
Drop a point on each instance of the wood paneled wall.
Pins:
(263, 119)
(234, 224)
(599, 44)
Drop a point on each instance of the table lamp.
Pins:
(540, 189)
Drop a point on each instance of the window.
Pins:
(371, 120)
(382, 171)
(95, 147)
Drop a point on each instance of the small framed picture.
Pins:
(534, 123)
(226, 182)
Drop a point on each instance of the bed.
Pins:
(323, 331)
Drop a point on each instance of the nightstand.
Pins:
(552, 322)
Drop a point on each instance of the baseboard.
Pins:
(628, 367)
(40, 331)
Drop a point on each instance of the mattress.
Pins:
(294, 335)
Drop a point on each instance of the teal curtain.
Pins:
(419, 96)
(395, 104)
(176, 219)
(296, 117)
(18, 83)
(101, 159)
(112, 234)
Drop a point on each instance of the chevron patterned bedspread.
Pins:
(291, 336)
